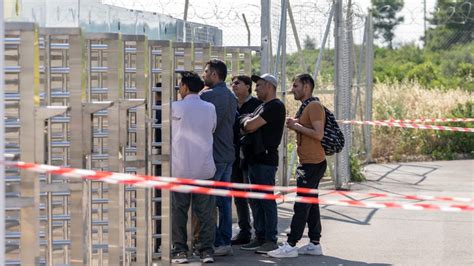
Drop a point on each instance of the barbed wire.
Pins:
(310, 17)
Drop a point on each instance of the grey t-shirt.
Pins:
(226, 109)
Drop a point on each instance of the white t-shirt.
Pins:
(193, 122)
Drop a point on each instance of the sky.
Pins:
(310, 17)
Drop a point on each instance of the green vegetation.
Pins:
(411, 82)
(445, 69)
(407, 100)
(453, 22)
(385, 17)
(356, 169)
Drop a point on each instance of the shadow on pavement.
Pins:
(401, 170)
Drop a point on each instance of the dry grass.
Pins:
(408, 100)
(405, 100)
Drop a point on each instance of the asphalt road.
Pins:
(365, 236)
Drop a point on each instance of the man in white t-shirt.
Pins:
(192, 126)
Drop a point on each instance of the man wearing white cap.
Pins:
(266, 124)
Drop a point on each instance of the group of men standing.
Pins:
(231, 136)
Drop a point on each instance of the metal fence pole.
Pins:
(323, 44)
(2, 143)
(283, 150)
(265, 24)
(343, 79)
(167, 98)
(144, 254)
(369, 65)
(29, 184)
(116, 216)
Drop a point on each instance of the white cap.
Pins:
(267, 77)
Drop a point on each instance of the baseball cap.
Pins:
(267, 77)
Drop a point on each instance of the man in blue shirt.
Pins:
(225, 103)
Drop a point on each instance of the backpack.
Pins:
(333, 140)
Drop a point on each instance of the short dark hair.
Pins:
(219, 66)
(305, 79)
(246, 80)
(192, 80)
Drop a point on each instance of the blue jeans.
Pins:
(265, 214)
(224, 204)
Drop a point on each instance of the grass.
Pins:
(399, 100)
(409, 100)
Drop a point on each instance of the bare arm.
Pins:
(317, 132)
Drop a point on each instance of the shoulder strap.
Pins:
(304, 104)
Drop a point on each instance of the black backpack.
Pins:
(333, 140)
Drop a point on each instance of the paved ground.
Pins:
(361, 236)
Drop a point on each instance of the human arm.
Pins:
(251, 124)
(316, 116)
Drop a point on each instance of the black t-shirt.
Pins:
(247, 108)
(273, 112)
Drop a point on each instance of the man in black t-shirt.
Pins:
(242, 87)
(266, 122)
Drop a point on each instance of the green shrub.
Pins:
(356, 169)
(448, 145)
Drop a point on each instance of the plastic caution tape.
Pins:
(427, 120)
(408, 197)
(405, 125)
(151, 182)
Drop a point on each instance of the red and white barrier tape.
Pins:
(427, 120)
(405, 125)
(150, 182)
(408, 197)
(253, 187)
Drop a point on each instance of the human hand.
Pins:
(291, 122)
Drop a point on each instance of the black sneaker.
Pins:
(180, 258)
(253, 245)
(207, 257)
(266, 247)
(240, 239)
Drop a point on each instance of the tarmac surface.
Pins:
(367, 236)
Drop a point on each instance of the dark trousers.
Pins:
(307, 176)
(242, 204)
(203, 207)
(265, 215)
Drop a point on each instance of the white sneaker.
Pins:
(285, 251)
(311, 249)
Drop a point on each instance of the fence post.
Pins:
(369, 65)
(266, 47)
(2, 141)
(29, 184)
(343, 79)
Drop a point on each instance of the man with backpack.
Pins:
(309, 127)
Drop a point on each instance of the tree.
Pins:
(453, 23)
(309, 43)
(385, 18)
